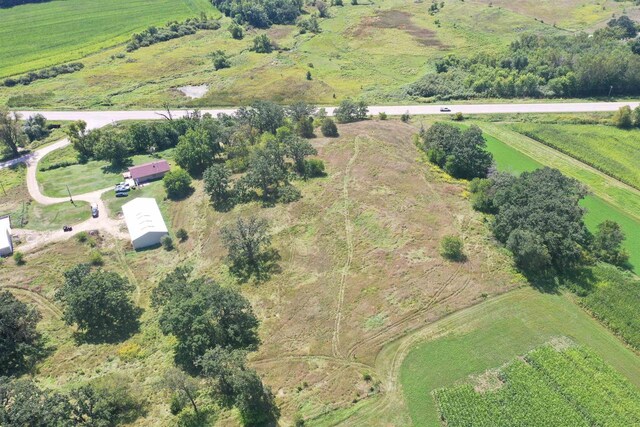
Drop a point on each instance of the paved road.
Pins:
(101, 118)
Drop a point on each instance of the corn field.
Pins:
(571, 387)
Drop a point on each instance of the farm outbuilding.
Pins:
(6, 245)
(144, 221)
(148, 171)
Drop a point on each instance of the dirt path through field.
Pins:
(348, 227)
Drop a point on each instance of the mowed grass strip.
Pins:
(493, 333)
(519, 156)
(613, 151)
(38, 35)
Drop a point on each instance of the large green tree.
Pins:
(11, 133)
(298, 149)
(99, 303)
(198, 148)
(20, 342)
(607, 243)
(249, 246)
(234, 384)
(542, 208)
(351, 111)
(267, 169)
(202, 315)
(216, 183)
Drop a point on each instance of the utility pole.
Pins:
(70, 198)
(610, 89)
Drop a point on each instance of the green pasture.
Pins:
(493, 333)
(609, 149)
(54, 217)
(38, 35)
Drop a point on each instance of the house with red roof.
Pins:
(148, 171)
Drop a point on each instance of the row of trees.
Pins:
(536, 215)
(47, 73)
(625, 118)
(261, 13)
(538, 66)
(172, 30)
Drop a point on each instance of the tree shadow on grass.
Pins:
(111, 334)
(261, 271)
(117, 168)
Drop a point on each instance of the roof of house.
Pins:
(5, 232)
(149, 169)
(143, 216)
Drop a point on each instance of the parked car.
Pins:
(94, 210)
(121, 189)
(67, 228)
(121, 193)
(445, 110)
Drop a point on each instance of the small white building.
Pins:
(6, 245)
(144, 221)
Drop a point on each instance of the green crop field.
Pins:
(613, 151)
(36, 36)
(493, 333)
(566, 387)
(609, 200)
(614, 299)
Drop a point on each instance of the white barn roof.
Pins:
(144, 221)
(6, 245)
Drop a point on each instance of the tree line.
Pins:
(261, 13)
(47, 73)
(579, 65)
(172, 30)
(536, 215)
(15, 134)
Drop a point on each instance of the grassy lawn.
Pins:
(492, 333)
(608, 201)
(53, 217)
(613, 151)
(84, 178)
(35, 36)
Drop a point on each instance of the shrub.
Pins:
(182, 234)
(167, 243)
(18, 257)
(288, 194)
(451, 248)
(351, 111)
(329, 128)
(314, 168)
(236, 31)
(458, 117)
(95, 258)
(177, 183)
(82, 237)
(623, 118)
(405, 117)
(262, 44)
(220, 60)
(382, 115)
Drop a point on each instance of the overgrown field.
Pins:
(371, 50)
(560, 387)
(35, 36)
(613, 151)
(493, 333)
(369, 231)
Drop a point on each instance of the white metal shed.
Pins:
(6, 245)
(144, 221)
